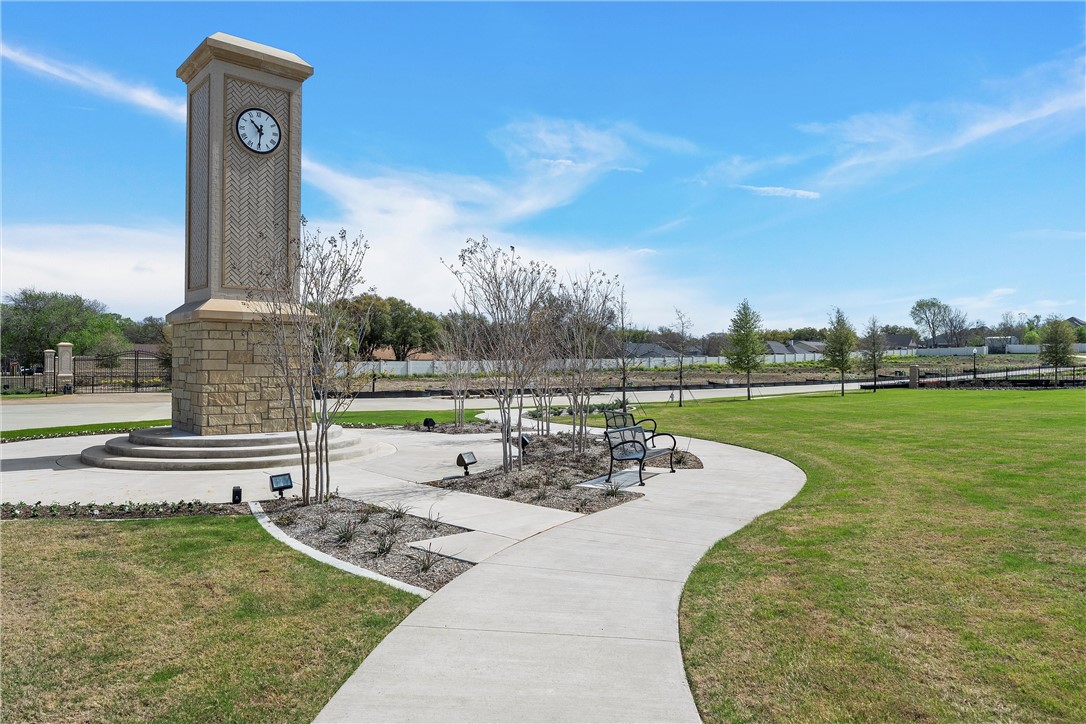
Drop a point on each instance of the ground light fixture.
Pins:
(429, 424)
(974, 363)
(525, 441)
(465, 459)
(281, 482)
(235, 494)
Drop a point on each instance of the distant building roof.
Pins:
(777, 348)
(801, 346)
(1076, 322)
(900, 341)
(642, 350)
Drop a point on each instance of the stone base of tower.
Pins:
(224, 377)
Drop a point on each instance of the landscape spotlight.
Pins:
(465, 459)
(235, 494)
(429, 423)
(281, 482)
(525, 441)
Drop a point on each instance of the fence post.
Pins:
(136, 374)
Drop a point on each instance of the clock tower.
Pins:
(243, 214)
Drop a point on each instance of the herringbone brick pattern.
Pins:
(256, 190)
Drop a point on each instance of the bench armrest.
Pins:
(647, 419)
(655, 435)
(644, 450)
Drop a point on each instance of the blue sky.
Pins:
(802, 156)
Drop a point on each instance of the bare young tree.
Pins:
(682, 329)
(621, 346)
(586, 305)
(508, 293)
(303, 325)
(455, 345)
(873, 349)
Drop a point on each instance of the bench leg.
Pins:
(671, 460)
(610, 470)
(640, 471)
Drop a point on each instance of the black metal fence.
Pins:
(990, 376)
(135, 371)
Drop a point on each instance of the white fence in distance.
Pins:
(411, 368)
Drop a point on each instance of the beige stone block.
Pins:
(226, 345)
(213, 430)
(214, 365)
(222, 398)
(220, 354)
(242, 357)
(246, 419)
(220, 419)
(217, 378)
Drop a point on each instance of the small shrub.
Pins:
(391, 527)
(364, 514)
(382, 546)
(432, 521)
(680, 456)
(505, 492)
(566, 483)
(425, 559)
(322, 520)
(612, 489)
(286, 520)
(539, 495)
(398, 510)
(345, 532)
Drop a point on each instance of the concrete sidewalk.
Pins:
(578, 623)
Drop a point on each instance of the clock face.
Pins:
(258, 130)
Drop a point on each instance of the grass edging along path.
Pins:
(201, 618)
(933, 567)
(400, 417)
(94, 428)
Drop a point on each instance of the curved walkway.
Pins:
(577, 623)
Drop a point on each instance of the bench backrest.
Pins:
(624, 437)
(618, 418)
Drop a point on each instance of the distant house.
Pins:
(777, 348)
(900, 341)
(644, 350)
(1076, 322)
(799, 346)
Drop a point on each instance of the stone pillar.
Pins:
(48, 367)
(914, 377)
(65, 373)
(224, 376)
(243, 216)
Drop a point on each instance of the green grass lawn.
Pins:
(185, 619)
(932, 568)
(400, 417)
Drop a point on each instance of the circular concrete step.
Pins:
(162, 449)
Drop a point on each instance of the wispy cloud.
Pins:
(667, 226)
(738, 168)
(779, 191)
(150, 281)
(988, 304)
(99, 83)
(868, 144)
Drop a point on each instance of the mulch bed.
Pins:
(370, 537)
(551, 473)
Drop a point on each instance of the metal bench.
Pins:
(618, 418)
(630, 443)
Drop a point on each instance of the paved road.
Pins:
(132, 407)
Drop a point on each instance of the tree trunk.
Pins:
(842, 383)
(748, 384)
